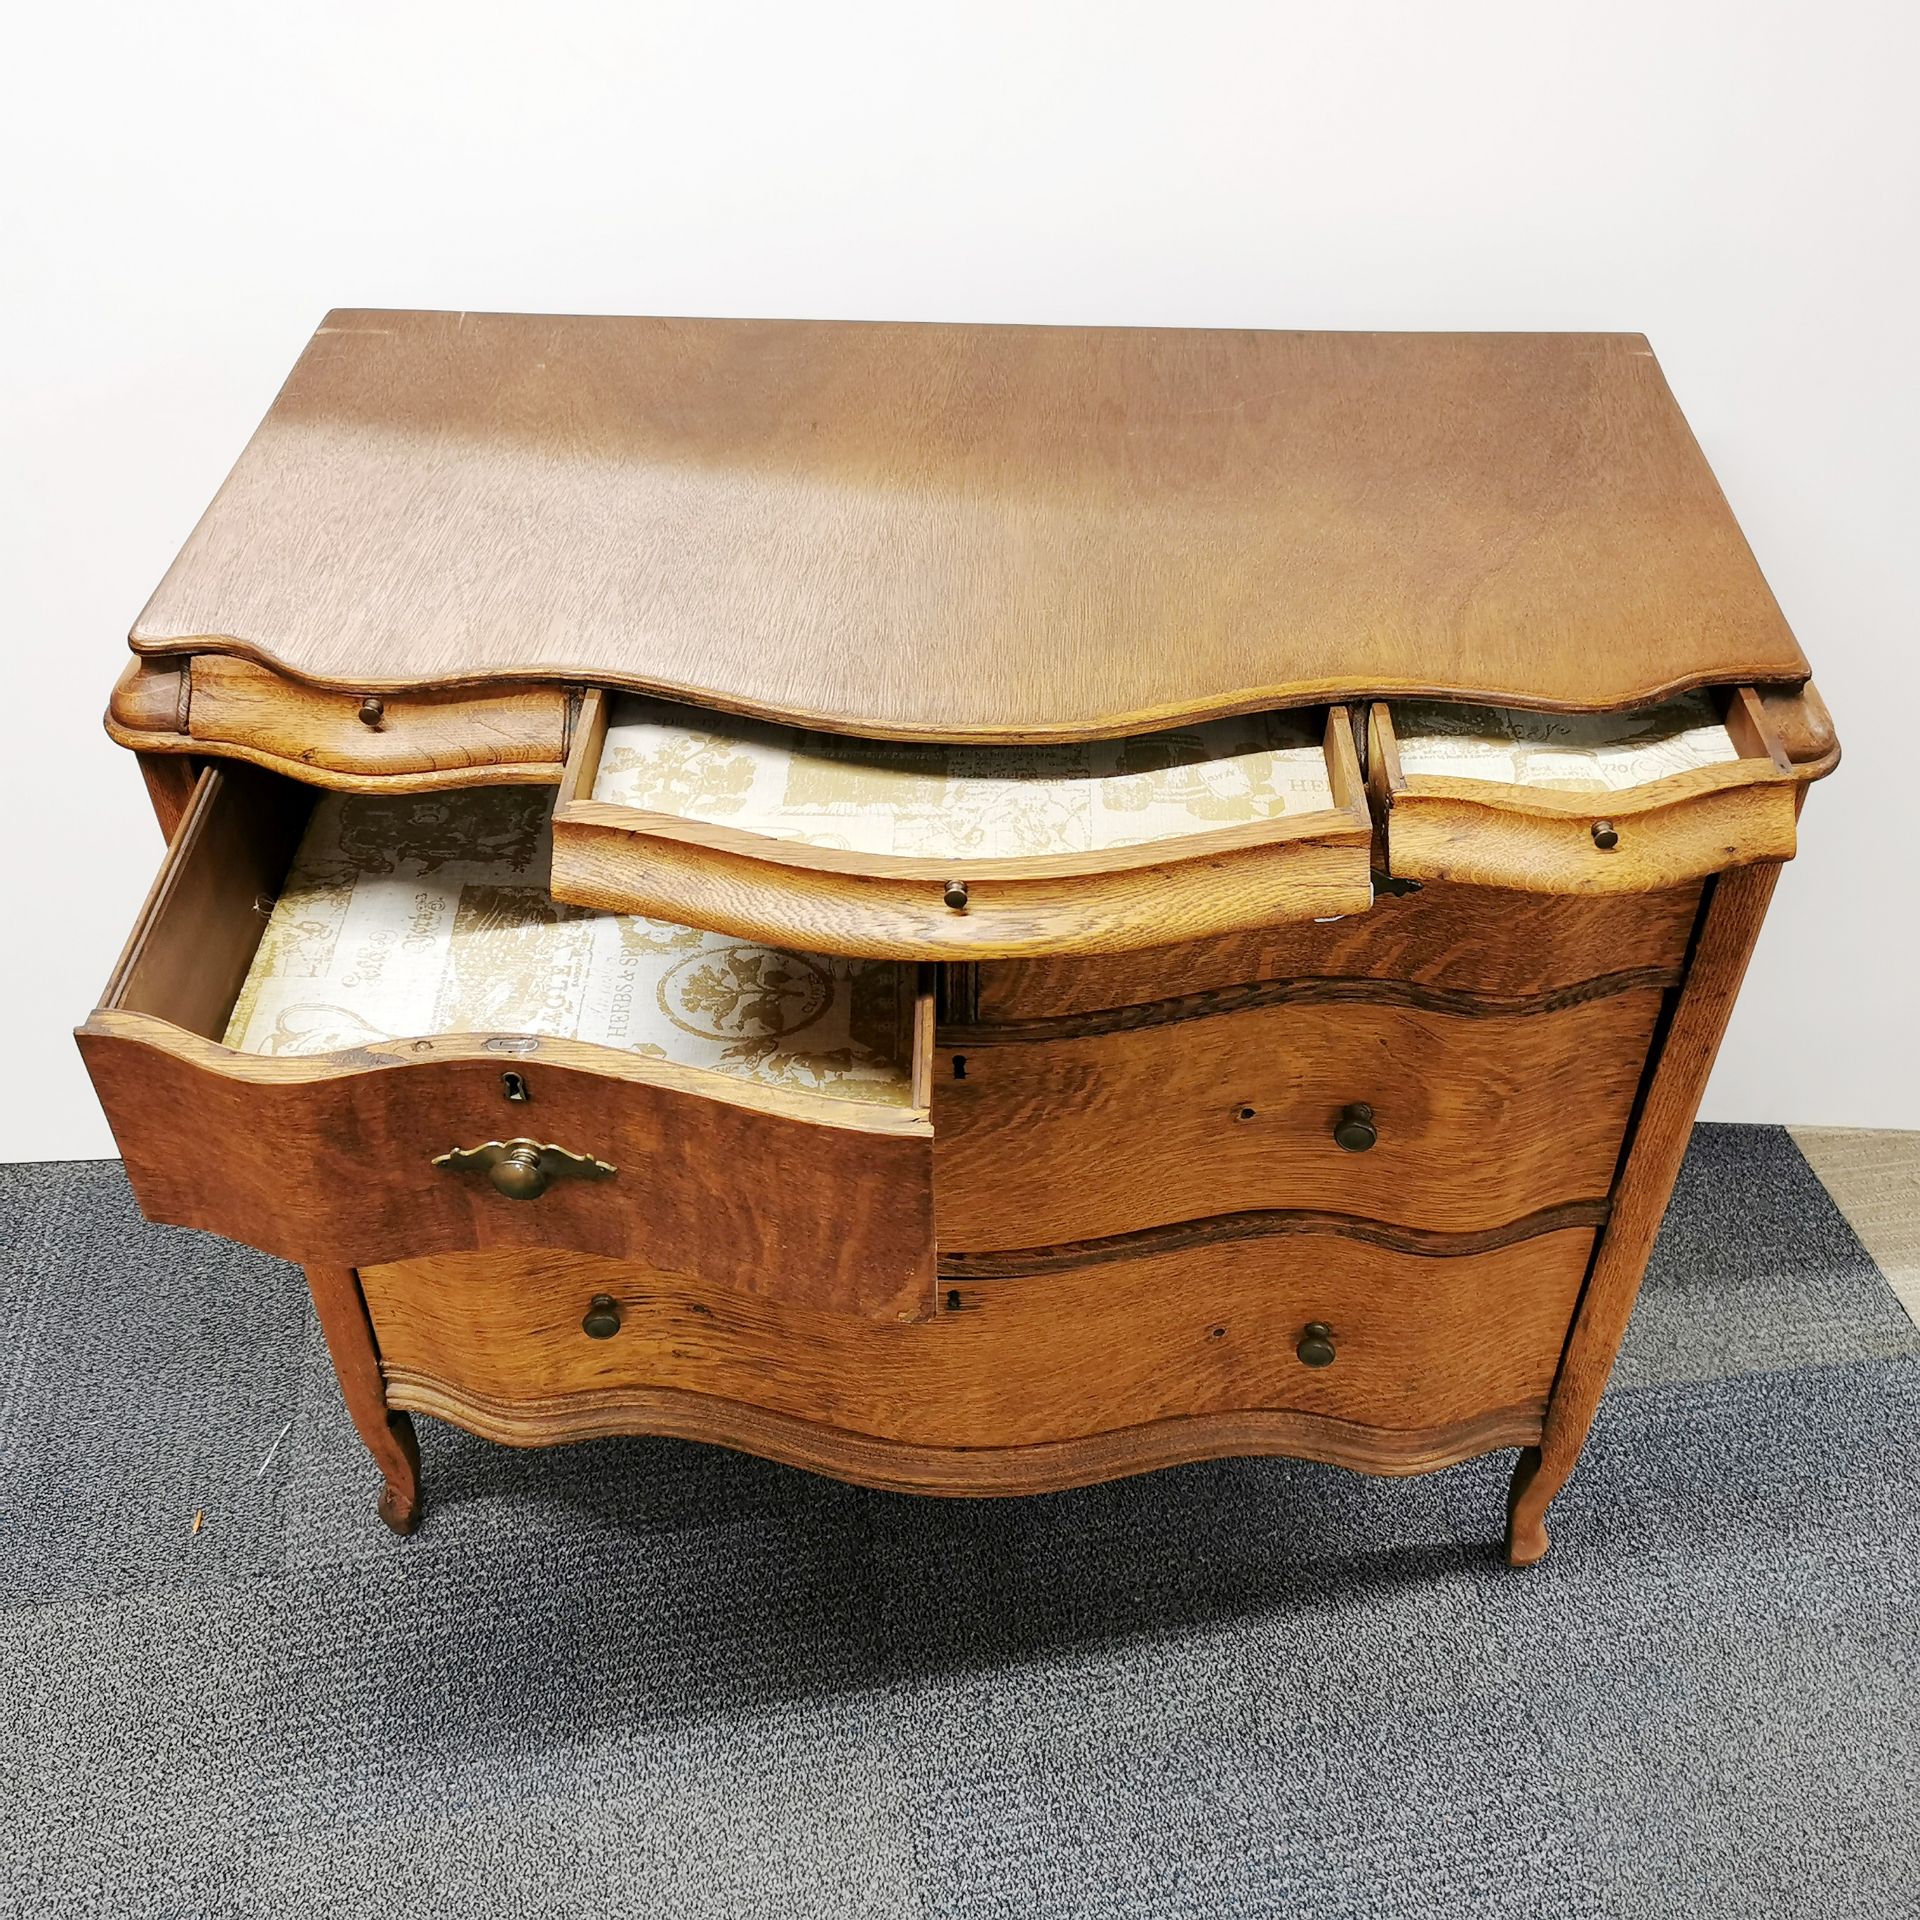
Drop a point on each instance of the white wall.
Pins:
(189, 187)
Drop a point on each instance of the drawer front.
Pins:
(1583, 803)
(1415, 1345)
(1511, 946)
(214, 705)
(377, 1152)
(1479, 1120)
(920, 853)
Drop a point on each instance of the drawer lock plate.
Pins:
(523, 1169)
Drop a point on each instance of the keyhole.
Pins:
(959, 1066)
(515, 1088)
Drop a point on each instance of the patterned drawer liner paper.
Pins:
(876, 796)
(1568, 752)
(429, 914)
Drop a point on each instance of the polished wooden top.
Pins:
(987, 532)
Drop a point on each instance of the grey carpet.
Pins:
(649, 1678)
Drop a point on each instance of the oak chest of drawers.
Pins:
(971, 908)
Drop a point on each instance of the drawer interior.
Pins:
(1586, 753)
(290, 924)
(951, 803)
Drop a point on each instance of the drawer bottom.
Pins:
(1017, 1384)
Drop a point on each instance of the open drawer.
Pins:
(1582, 803)
(930, 852)
(358, 1029)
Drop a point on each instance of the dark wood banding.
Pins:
(1019, 1263)
(893, 1466)
(1343, 990)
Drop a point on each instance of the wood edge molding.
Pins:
(506, 773)
(1228, 703)
(111, 1023)
(1329, 990)
(1334, 825)
(901, 1467)
(1023, 1263)
(1623, 803)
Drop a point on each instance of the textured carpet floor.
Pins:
(649, 1678)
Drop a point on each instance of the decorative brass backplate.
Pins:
(523, 1169)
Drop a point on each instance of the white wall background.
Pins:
(187, 188)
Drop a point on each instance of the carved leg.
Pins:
(1723, 942)
(388, 1435)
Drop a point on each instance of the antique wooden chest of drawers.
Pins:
(972, 908)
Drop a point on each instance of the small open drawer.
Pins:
(1582, 803)
(933, 852)
(359, 1029)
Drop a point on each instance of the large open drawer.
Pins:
(391, 1063)
(925, 852)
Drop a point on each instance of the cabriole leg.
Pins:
(388, 1435)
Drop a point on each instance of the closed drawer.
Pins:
(926, 852)
(362, 1031)
(1091, 1127)
(1583, 803)
(411, 741)
(1186, 1351)
(1516, 948)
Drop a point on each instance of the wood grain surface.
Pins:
(1730, 922)
(980, 1472)
(1473, 939)
(1541, 839)
(1420, 1342)
(1480, 1119)
(327, 1159)
(1002, 533)
(596, 865)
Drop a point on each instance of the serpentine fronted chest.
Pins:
(972, 908)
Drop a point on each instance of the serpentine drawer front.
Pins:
(418, 1052)
(1583, 803)
(972, 908)
(924, 852)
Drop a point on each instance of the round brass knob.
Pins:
(956, 895)
(1606, 836)
(372, 710)
(1316, 1345)
(518, 1174)
(602, 1320)
(1354, 1129)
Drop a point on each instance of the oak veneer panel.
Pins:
(1109, 527)
(236, 704)
(1482, 1119)
(1422, 1343)
(329, 1160)
(1471, 939)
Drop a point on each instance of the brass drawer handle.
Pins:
(1316, 1345)
(602, 1319)
(1354, 1129)
(523, 1169)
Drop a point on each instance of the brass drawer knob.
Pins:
(1354, 1129)
(1316, 1345)
(1606, 836)
(523, 1169)
(956, 895)
(602, 1320)
(373, 711)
